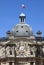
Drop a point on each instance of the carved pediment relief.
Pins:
(21, 48)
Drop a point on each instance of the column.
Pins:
(34, 63)
(43, 62)
(13, 63)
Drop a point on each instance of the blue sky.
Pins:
(11, 9)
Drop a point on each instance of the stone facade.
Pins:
(22, 50)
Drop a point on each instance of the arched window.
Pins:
(10, 52)
(31, 52)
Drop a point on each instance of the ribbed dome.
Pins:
(22, 29)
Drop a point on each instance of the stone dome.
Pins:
(22, 29)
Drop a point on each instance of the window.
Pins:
(31, 52)
(31, 63)
(10, 63)
(10, 52)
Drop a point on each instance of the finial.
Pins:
(39, 33)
